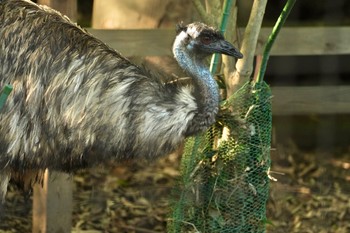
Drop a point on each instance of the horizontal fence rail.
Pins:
(291, 41)
(311, 100)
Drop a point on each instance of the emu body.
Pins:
(77, 103)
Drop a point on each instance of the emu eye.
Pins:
(206, 40)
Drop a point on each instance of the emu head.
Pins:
(201, 40)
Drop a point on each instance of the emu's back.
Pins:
(76, 102)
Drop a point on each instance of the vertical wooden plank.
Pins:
(52, 204)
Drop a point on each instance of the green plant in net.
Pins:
(225, 182)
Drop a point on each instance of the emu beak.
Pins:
(224, 47)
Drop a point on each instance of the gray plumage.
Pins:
(77, 103)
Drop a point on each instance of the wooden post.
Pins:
(53, 201)
(52, 204)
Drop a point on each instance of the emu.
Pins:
(77, 103)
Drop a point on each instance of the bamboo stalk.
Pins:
(276, 29)
(208, 19)
(229, 63)
(244, 66)
(226, 12)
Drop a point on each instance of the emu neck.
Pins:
(206, 90)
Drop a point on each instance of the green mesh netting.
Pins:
(225, 184)
(4, 94)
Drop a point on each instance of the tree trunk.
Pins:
(139, 14)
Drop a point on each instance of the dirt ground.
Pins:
(311, 194)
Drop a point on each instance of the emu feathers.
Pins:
(77, 103)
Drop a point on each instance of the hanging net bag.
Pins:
(224, 186)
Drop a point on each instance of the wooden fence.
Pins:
(291, 42)
(54, 201)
